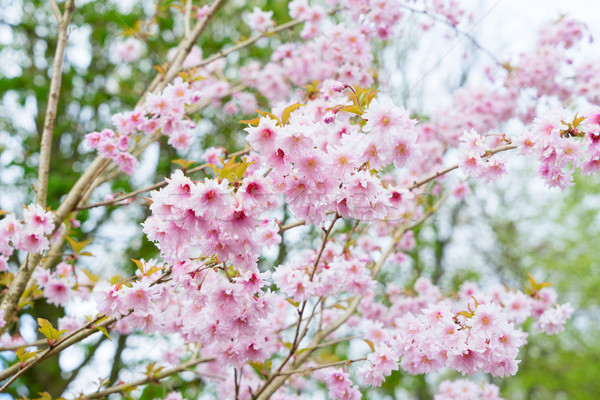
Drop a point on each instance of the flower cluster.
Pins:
(162, 113)
(341, 387)
(562, 143)
(62, 284)
(474, 159)
(194, 219)
(30, 234)
(301, 152)
(232, 317)
(259, 20)
(338, 271)
(477, 332)
(338, 53)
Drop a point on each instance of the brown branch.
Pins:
(184, 48)
(291, 225)
(153, 186)
(56, 11)
(444, 171)
(186, 17)
(55, 83)
(35, 343)
(16, 370)
(155, 378)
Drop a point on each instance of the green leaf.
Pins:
(139, 264)
(23, 354)
(536, 287)
(272, 116)
(242, 167)
(91, 276)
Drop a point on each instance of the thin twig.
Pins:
(271, 385)
(56, 11)
(153, 186)
(457, 30)
(323, 366)
(436, 175)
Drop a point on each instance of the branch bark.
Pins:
(11, 299)
(55, 83)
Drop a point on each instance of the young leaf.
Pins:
(254, 121)
(77, 246)
(23, 354)
(354, 109)
(285, 115)
(139, 264)
(185, 164)
(104, 332)
(371, 345)
(52, 334)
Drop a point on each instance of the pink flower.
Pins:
(486, 319)
(259, 20)
(212, 154)
(211, 197)
(32, 242)
(3, 263)
(38, 220)
(553, 320)
(109, 299)
(263, 137)
(128, 50)
(384, 116)
(57, 292)
(383, 361)
(139, 296)
(341, 387)
(126, 162)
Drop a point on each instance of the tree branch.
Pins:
(150, 379)
(56, 11)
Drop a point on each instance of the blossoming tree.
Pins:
(324, 144)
